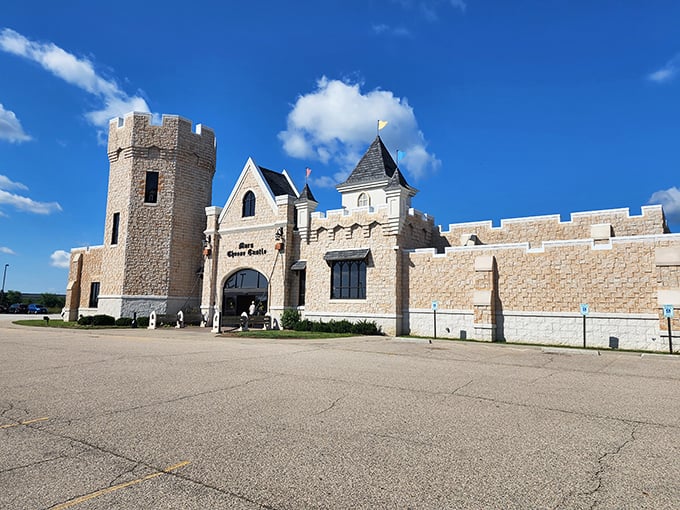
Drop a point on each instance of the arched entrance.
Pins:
(241, 289)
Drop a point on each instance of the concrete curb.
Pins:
(564, 350)
(659, 355)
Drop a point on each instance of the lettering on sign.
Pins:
(246, 250)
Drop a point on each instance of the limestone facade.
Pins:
(376, 259)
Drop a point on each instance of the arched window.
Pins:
(249, 204)
(363, 200)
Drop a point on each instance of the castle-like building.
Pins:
(167, 249)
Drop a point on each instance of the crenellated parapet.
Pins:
(136, 136)
(597, 225)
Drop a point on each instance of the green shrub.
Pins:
(320, 327)
(366, 328)
(85, 320)
(305, 325)
(142, 322)
(124, 321)
(103, 320)
(290, 318)
(343, 326)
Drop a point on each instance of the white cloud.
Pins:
(6, 250)
(6, 183)
(382, 29)
(667, 72)
(336, 122)
(10, 127)
(670, 200)
(21, 202)
(76, 71)
(430, 9)
(60, 258)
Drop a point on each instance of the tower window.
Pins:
(363, 200)
(94, 294)
(114, 228)
(249, 204)
(151, 188)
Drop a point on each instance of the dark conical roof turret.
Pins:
(375, 165)
(306, 195)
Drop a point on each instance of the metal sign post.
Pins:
(585, 310)
(668, 312)
(435, 305)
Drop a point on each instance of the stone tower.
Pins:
(160, 182)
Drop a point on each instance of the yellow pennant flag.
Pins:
(381, 124)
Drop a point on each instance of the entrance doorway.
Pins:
(243, 288)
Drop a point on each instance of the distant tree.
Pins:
(13, 296)
(50, 300)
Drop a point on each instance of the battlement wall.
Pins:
(600, 225)
(135, 136)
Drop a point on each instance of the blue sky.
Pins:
(505, 109)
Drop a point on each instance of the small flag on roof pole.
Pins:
(381, 124)
(400, 155)
(307, 172)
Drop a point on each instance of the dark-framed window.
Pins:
(114, 228)
(302, 275)
(151, 188)
(94, 294)
(348, 279)
(249, 204)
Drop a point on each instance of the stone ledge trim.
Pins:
(669, 297)
(484, 263)
(481, 298)
(667, 256)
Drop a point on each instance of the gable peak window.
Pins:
(249, 204)
(363, 200)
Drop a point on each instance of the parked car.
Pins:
(18, 308)
(3, 309)
(34, 308)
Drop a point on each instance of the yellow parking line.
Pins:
(101, 492)
(27, 422)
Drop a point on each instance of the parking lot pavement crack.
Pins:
(330, 406)
(167, 401)
(64, 454)
(602, 466)
(126, 473)
(461, 387)
(540, 377)
(226, 492)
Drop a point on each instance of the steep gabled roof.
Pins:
(375, 165)
(278, 183)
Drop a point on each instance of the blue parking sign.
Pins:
(585, 309)
(668, 311)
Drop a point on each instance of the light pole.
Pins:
(4, 274)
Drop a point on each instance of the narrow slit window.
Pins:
(151, 188)
(114, 228)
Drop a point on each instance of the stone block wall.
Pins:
(158, 254)
(84, 268)
(521, 294)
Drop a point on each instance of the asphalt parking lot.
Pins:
(184, 419)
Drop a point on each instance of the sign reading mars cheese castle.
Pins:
(378, 259)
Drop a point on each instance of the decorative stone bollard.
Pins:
(244, 321)
(180, 319)
(152, 320)
(217, 322)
